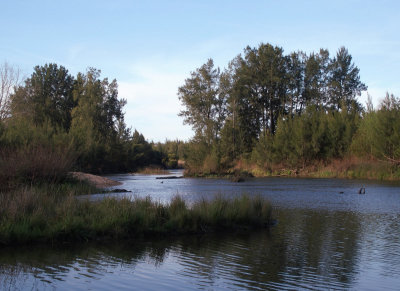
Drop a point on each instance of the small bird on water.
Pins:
(362, 190)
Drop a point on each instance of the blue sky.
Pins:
(150, 47)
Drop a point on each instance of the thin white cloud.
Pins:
(152, 103)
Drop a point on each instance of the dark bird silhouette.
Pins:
(362, 190)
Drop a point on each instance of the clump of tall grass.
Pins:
(32, 215)
(239, 212)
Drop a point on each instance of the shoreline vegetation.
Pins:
(351, 168)
(276, 113)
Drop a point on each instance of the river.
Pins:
(328, 237)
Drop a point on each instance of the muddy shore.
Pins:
(97, 181)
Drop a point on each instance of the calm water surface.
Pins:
(324, 239)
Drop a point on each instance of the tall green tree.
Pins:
(204, 107)
(97, 120)
(258, 94)
(316, 79)
(295, 66)
(344, 81)
(46, 97)
(263, 73)
(295, 108)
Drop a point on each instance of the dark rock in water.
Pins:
(237, 179)
(117, 191)
(169, 177)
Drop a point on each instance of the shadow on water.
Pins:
(307, 249)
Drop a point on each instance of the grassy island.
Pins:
(54, 214)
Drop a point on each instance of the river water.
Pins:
(327, 237)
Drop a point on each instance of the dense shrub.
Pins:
(33, 165)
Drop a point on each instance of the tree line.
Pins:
(80, 117)
(266, 108)
(293, 109)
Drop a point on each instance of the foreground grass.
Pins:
(53, 215)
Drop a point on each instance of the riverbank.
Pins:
(355, 169)
(351, 168)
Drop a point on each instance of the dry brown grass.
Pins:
(153, 170)
(349, 167)
(33, 164)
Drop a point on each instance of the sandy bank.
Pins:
(98, 181)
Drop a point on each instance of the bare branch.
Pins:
(9, 80)
(394, 161)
